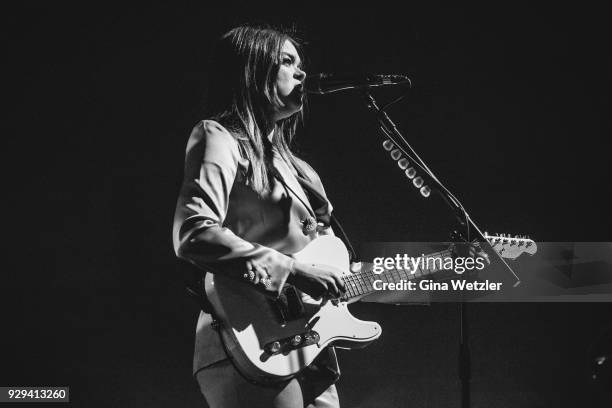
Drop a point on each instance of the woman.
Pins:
(242, 209)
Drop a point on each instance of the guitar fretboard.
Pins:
(362, 282)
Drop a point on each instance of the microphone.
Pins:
(325, 83)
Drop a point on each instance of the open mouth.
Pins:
(298, 92)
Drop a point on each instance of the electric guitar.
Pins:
(273, 340)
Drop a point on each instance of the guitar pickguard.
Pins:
(289, 305)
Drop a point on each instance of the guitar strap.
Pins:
(318, 200)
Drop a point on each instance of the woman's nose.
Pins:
(299, 74)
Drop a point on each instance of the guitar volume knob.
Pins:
(275, 347)
(296, 340)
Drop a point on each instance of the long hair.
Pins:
(242, 92)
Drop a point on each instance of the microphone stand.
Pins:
(465, 222)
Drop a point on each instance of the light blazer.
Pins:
(220, 223)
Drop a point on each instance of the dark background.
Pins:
(509, 107)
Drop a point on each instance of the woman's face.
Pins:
(289, 83)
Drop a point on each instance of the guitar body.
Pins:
(267, 346)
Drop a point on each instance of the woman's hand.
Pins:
(317, 280)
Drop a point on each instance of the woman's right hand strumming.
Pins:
(317, 280)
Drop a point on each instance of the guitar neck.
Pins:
(362, 282)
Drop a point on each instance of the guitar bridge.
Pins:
(294, 342)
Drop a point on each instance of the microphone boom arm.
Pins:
(392, 132)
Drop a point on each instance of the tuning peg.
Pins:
(388, 145)
(396, 154)
(410, 172)
(425, 191)
(403, 163)
(418, 182)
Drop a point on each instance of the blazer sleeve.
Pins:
(212, 163)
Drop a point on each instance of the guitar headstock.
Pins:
(511, 247)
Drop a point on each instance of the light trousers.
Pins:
(223, 387)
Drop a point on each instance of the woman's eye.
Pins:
(287, 61)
